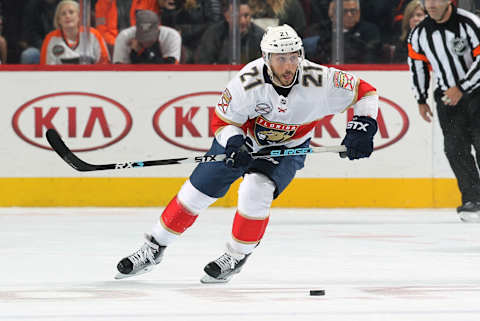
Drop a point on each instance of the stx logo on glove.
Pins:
(356, 125)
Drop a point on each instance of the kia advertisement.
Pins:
(86, 121)
(162, 115)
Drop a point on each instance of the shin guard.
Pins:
(248, 230)
(176, 218)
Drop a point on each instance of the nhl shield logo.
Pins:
(263, 108)
(459, 46)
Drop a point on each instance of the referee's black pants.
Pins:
(461, 130)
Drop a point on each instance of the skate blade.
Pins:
(207, 279)
(470, 217)
(120, 276)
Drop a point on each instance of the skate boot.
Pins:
(222, 269)
(142, 261)
(469, 212)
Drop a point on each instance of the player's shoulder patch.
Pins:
(343, 80)
(225, 100)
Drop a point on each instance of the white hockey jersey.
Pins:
(251, 106)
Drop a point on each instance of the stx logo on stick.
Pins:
(206, 158)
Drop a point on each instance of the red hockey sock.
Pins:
(248, 229)
(176, 218)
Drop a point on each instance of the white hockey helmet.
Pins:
(280, 39)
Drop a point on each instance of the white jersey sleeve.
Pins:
(343, 92)
(342, 88)
(234, 106)
(229, 110)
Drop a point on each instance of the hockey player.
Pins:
(274, 102)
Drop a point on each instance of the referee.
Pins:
(448, 42)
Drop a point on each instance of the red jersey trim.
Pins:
(365, 89)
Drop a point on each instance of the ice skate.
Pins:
(141, 261)
(222, 269)
(469, 212)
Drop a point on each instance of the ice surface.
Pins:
(385, 265)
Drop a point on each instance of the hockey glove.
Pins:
(359, 137)
(238, 153)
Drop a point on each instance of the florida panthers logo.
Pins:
(225, 100)
(267, 133)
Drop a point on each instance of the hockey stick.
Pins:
(70, 158)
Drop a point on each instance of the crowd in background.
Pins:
(198, 31)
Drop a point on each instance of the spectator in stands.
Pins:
(112, 16)
(167, 9)
(413, 14)
(216, 45)
(3, 43)
(147, 42)
(266, 13)
(37, 23)
(398, 12)
(361, 38)
(62, 46)
(192, 18)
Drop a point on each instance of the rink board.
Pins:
(130, 113)
(303, 192)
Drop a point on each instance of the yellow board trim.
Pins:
(302, 192)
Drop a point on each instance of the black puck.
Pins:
(317, 292)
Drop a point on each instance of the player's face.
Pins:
(284, 67)
(68, 16)
(436, 8)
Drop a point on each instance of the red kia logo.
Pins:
(184, 121)
(86, 121)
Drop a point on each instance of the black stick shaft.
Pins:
(70, 158)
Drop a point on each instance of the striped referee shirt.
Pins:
(451, 49)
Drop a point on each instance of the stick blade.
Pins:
(54, 139)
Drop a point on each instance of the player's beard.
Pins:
(282, 78)
(278, 80)
(288, 76)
